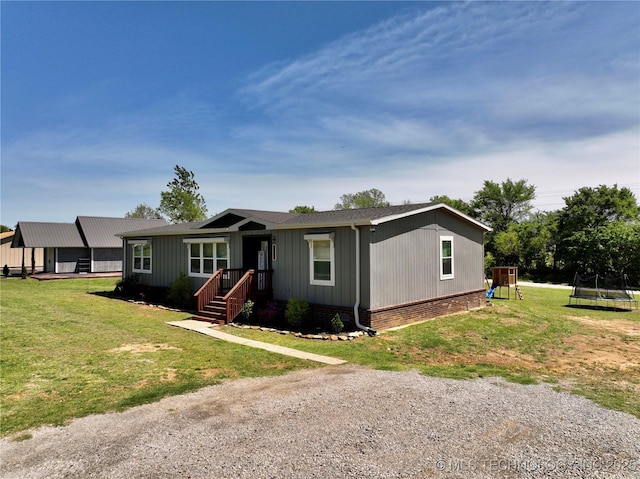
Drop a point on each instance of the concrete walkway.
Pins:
(205, 328)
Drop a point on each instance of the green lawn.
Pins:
(68, 350)
(589, 351)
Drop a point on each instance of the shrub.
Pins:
(336, 324)
(270, 313)
(5, 270)
(180, 292)
(129, 286)
(247, 310)
(297, 313)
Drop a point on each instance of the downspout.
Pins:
(356, 315)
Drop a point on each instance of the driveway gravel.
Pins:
(341, 422)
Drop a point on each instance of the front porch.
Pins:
(221, 299)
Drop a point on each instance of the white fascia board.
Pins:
(431, 208)
(219, 239)
(208, 231)
(335, 224)
(319, 236)
(137, 241)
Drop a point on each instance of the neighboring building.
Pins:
(383, 267)
(13, 258)
(89, 245)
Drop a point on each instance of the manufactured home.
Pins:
(379, 267)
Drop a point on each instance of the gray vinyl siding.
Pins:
(106, 260)
(68, 259)
(405, 259)
(170, 258)
(291, 278)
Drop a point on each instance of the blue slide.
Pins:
(491, 291)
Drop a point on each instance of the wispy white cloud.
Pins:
(496, 68)
(429, 102)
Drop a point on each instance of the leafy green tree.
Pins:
(592, 207)
(594, 229)
(507, 246)
(363, 199)
(529, 245)
(144, 211)
(182, 203)
(303, 209)
(500, 205)
(610, 248)
(4, 229)
(458, 204)
(538, 240)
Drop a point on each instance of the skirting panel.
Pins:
(400, 315)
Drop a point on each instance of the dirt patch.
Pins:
(605, 347)
(143, 348)
(596, 352)
(619, 326)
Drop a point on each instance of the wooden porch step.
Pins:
(200, 317)
(215, 311)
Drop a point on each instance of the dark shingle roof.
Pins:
(230, 219)
(48, 235)
(354, 215)
(86, 232)
(101, 232)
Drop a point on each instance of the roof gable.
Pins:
(47, 235)
(86, 232)
(241, 220)
(100, 232)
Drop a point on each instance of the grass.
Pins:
(592, 352)
(68, 351)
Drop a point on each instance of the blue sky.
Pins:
(278, 104)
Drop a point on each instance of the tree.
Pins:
(182, 203)
(4, 229)
(598, 231)
(459, 205)
(610, 248)
(364, 199)
(538, 239)
(593, 207)
(530, 245)
(303, 209)
(500, 205)
(144, 211)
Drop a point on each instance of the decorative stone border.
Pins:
(350, 336)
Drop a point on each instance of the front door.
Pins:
(255, 252)
(50, 260)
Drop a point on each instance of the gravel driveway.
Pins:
(341, 422)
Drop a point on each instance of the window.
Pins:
(446, 257)
(142, 257)
(321, 259)
(206, 257)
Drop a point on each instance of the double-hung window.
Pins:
(141, 257)
(207, 256)
(321, 259)
(446, 257)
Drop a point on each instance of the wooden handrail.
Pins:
(241, 287)
(209, 290)
(238, 295)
